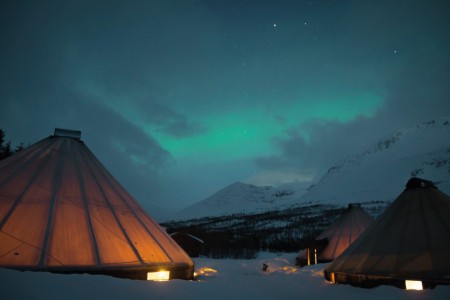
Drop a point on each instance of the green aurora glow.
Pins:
(245, 133)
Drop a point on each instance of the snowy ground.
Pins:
(225, 279)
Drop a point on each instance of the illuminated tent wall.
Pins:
(409, 241)
(339, 235)
(62, 211)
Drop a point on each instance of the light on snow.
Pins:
(205, 271)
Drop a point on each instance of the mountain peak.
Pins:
(240, 197)
(377, 174)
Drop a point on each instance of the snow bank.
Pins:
(222, 279)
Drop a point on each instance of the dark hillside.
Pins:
(243, 235)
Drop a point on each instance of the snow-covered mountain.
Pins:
(380, 173)
(244, 198)
(377, 174)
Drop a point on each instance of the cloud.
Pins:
(141, 105)
(416, 91)
(131, 155)
(419, 91)
(315, 145)
(166, 120)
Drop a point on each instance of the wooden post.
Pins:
(307, 255)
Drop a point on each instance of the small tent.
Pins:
(410, 241)
(193, 245)
(62, 211)
(338, 236)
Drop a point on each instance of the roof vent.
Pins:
(75, 134)
(416, 182)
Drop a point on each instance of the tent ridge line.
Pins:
(87, 208)
(36, 152)
(427, 227)
(130, 209)
(56, 186)
(19, 198)
(156, 224)
(402, 236)
(111, 208)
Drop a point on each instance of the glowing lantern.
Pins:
(158, 276)
(413, 285)
(332, 280)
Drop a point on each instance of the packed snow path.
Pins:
(218, 279)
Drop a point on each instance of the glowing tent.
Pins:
(410, 241)
(62, 211)
(338, 236)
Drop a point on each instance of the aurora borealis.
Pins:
(250, 129)
(180, 98)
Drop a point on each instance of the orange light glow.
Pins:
(332, 280)
(206, 271)
(289, 269)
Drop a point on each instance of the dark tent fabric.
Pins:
(62, 211)
(409, 241)
(339, 235)
(193, 245)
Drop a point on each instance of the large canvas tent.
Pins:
(338, 236)
(62, 211)
(410, 241)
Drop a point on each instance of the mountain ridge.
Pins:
(381, 172)
(376, 174)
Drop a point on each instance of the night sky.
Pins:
(181, 98)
